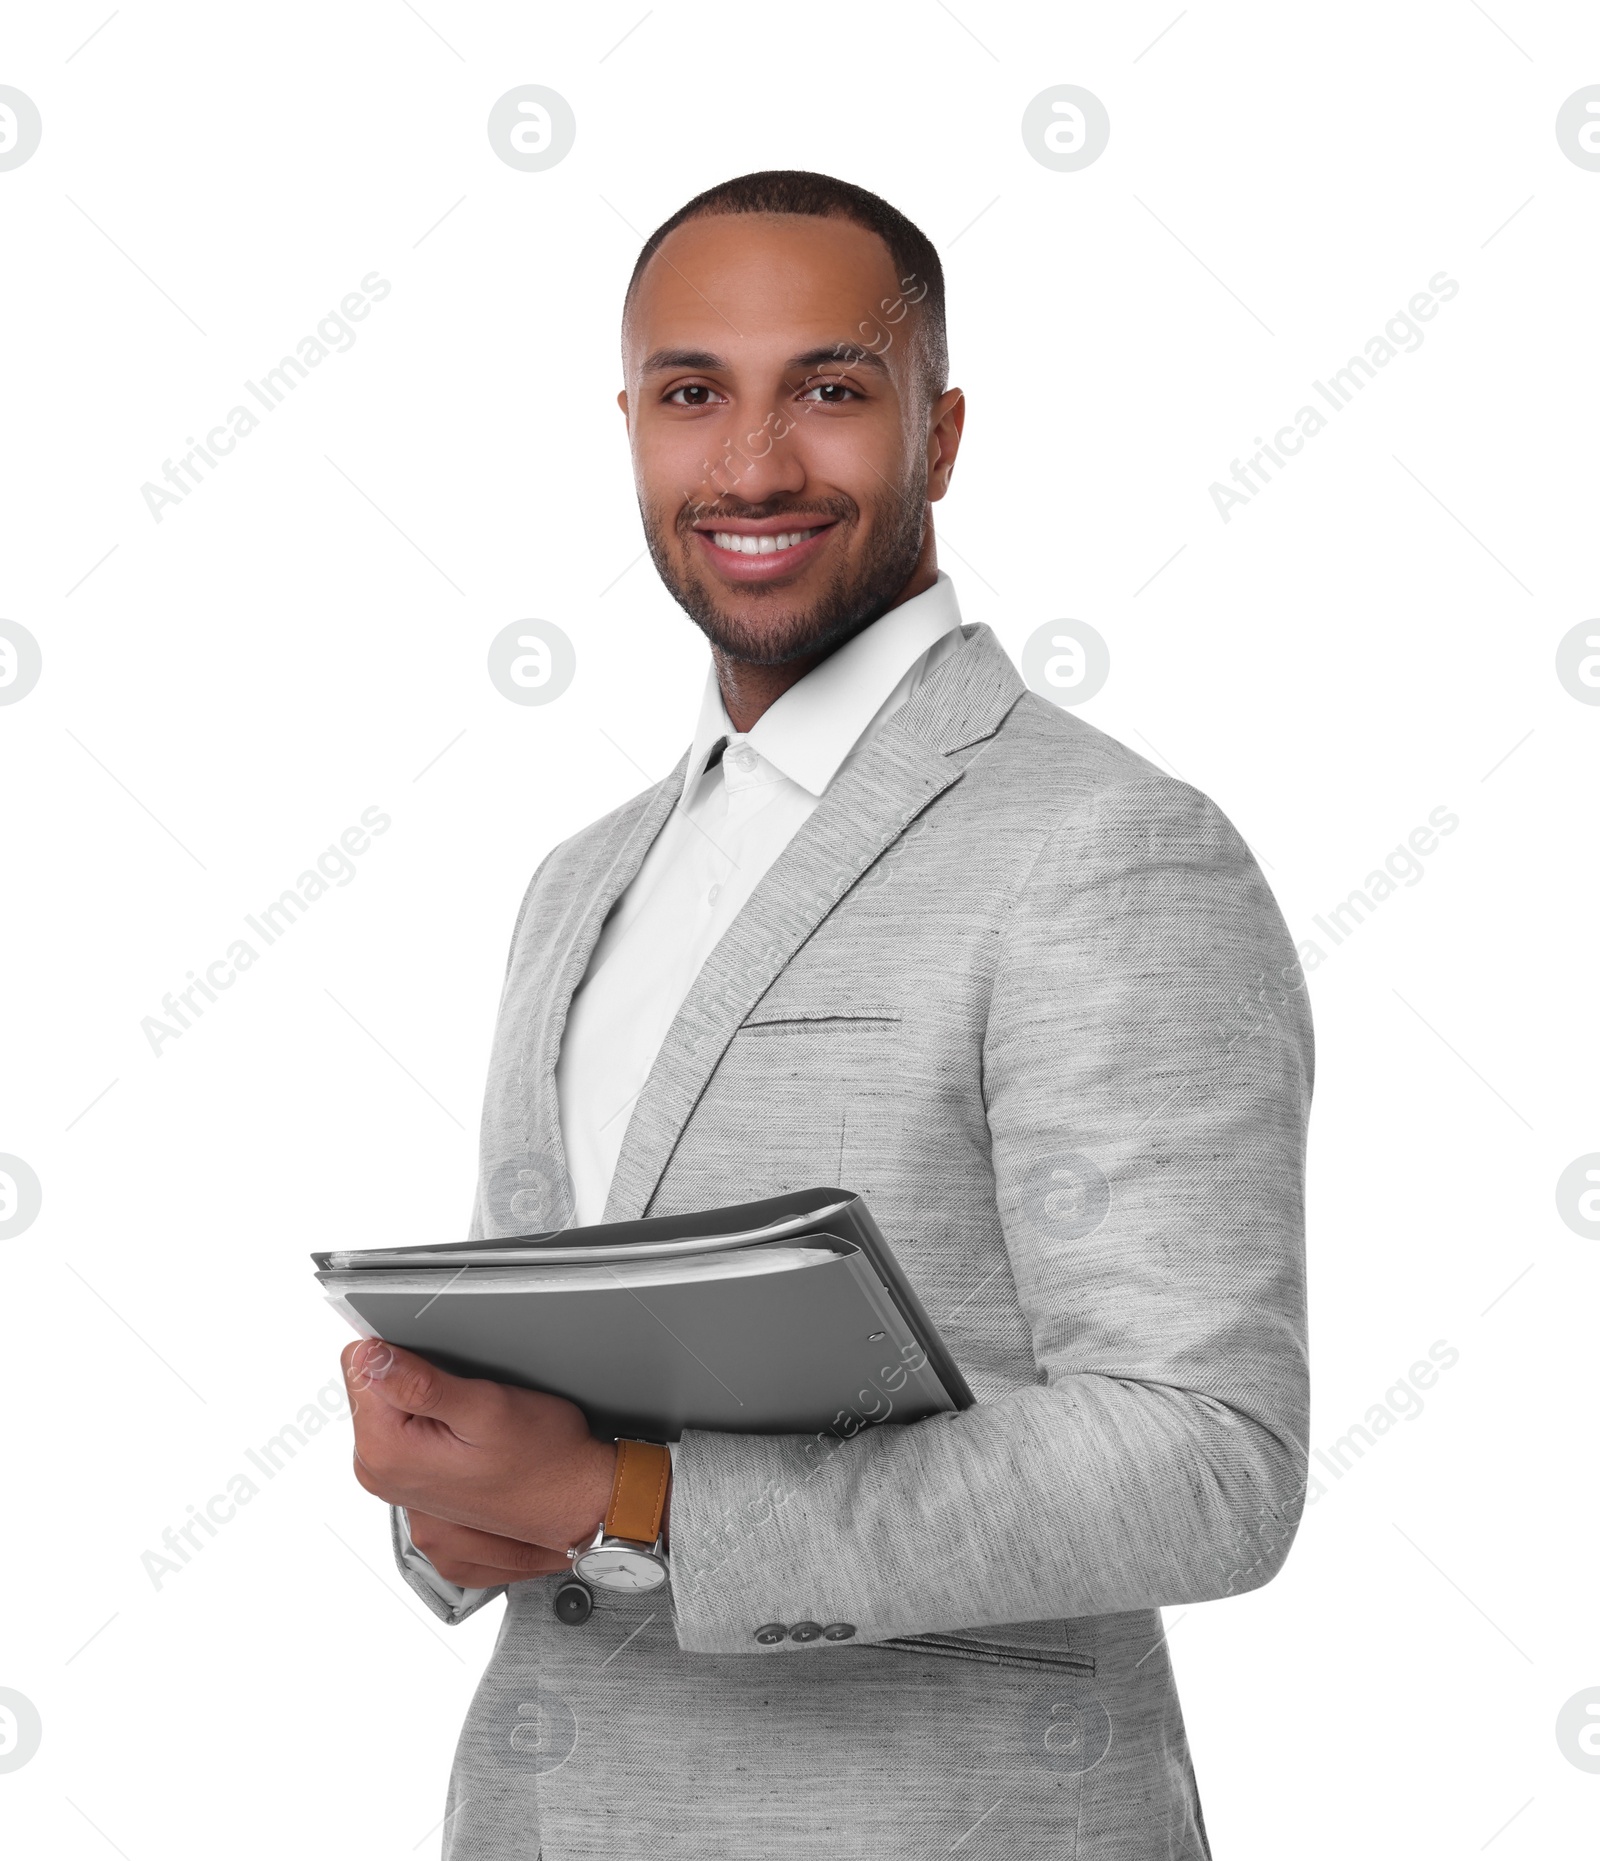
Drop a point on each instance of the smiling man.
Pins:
(812, 455)
(896, 923)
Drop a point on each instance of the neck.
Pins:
(750, 690)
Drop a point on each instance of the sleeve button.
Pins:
(573, 1602)
(770, 1632)
(838, 1631)
(805, 1631)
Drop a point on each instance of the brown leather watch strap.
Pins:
(638, 1492)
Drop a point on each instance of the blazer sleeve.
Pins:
(449, 1601)
(1147, 1072)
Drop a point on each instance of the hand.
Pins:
(478, 1560)
(510, 1463)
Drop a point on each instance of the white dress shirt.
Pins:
(733, 818)
(731, 822)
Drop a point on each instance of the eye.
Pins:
(691, 388)
(833, 393)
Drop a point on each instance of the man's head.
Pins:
(783, 346)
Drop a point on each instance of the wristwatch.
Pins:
(625, 1553)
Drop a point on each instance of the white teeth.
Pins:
(742, 545)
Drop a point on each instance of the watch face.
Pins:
(616, 1567)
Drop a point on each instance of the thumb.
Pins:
(406, 1381)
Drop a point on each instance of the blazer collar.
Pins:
(911, 759)
(817, 722)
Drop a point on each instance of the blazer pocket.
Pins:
(800, 1020)
(993, 1653)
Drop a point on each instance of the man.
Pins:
(894, 923)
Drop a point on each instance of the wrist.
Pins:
(596, 1476)
(599, 1486)
(628, 1550)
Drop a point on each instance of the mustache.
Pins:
(837, 510)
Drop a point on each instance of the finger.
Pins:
(356, 1361)
(484, 1576)
(445, 1541)
(377, 1424)
(414, 1386)
(365, 1361)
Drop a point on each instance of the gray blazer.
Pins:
(1034, 999)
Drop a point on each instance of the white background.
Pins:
(1371, 638)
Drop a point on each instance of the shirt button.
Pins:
(805, 1631)
(713, 895)
(838, 1631)
(770, 1632)
(744, 760)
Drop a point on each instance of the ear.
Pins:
(946, 418)
(622, 402)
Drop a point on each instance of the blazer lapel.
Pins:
(549, 994)
(902, 768)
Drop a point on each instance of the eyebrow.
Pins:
(659, 359)
(855, 356)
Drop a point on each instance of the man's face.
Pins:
(783, 447)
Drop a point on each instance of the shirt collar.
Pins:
(819, 720)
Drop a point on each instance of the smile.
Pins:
(763, 555)
(761, 545)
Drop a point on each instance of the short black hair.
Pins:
(796, 190)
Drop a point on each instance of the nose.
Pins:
(756, 462)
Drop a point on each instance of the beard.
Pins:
(852, 600)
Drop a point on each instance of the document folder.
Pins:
(784, 1316)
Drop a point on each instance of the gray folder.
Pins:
(787, 1316)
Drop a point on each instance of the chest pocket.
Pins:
(810, 1088)
(842, 1021)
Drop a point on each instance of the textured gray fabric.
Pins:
(1033, 998)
